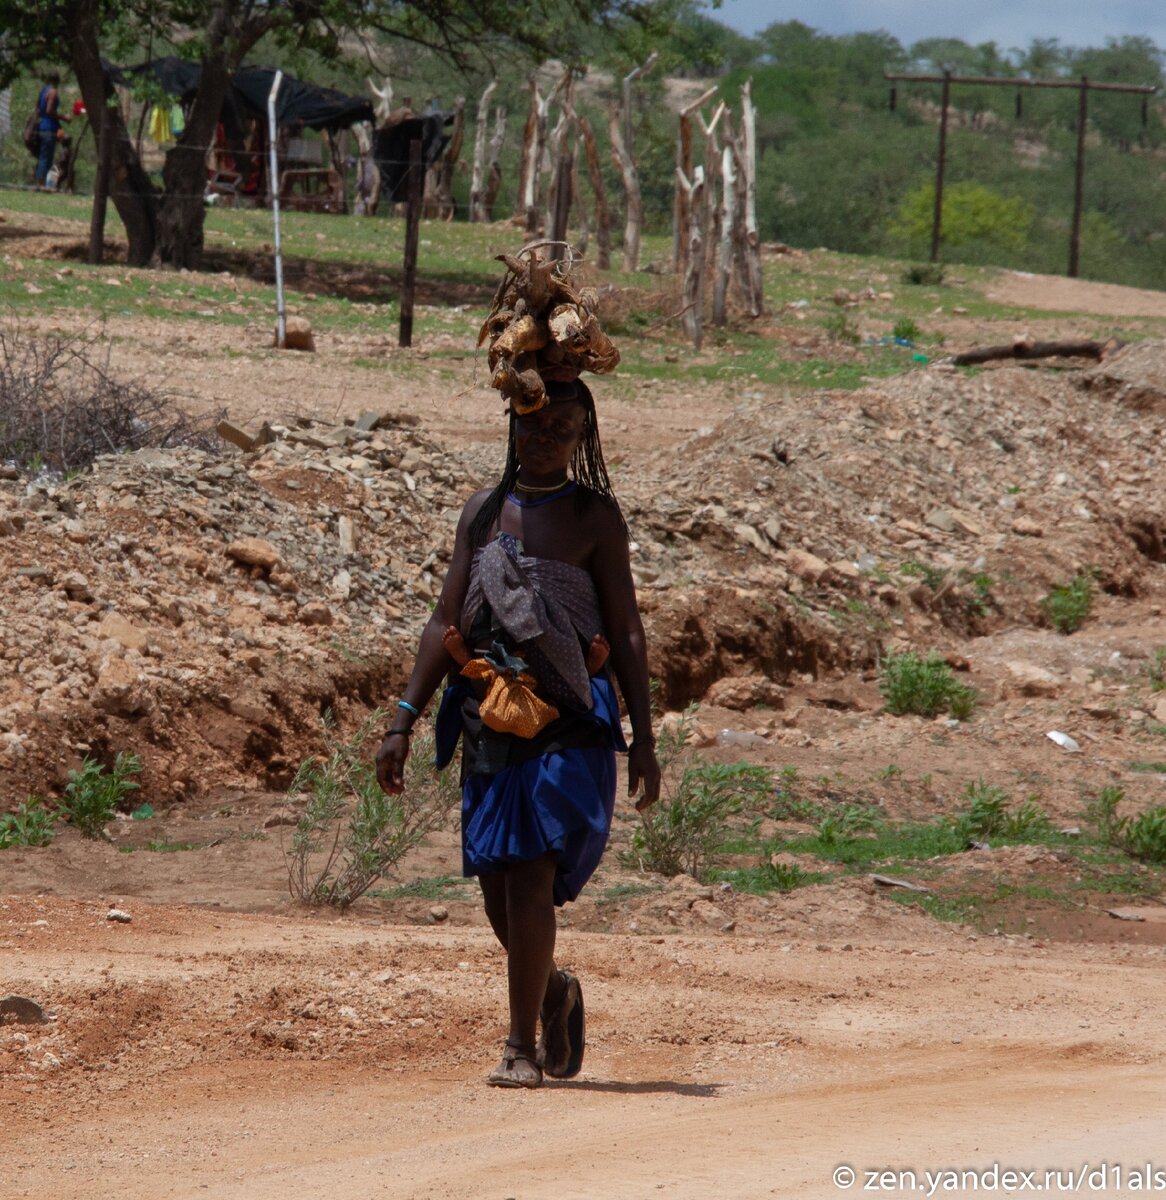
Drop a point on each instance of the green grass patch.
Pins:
(436, 887)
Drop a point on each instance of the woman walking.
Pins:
(537, 609)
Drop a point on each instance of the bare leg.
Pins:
(597, 654)
(455, 646)
(520, 899)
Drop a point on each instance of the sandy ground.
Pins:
(220, 1043)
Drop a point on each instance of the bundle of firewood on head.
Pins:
(542, 329)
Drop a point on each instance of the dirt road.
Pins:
(226, 1055)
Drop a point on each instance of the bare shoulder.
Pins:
(603, 516)
(473, 506)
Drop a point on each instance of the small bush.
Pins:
(684, 832)
(1067, 605)
(1143, 836)
(93, 794)
(60, 407)
(352, 833)
(924, 274)
(841, 327)
(988, 816)
(31, 825)
(925, 686)
(1157, 670)
(906, 330)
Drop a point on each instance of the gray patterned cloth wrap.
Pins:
(546, 607)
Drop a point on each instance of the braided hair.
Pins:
(587, 466)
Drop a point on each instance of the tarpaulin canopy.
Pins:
(298, 102)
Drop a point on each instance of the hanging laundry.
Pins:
(160, 125)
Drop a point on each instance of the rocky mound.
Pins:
(205, 611)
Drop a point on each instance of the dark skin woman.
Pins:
(576, 522)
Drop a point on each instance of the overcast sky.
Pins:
(1008, 23)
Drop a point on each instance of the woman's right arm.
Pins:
(432, 661)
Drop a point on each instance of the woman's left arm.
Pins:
(610, 569)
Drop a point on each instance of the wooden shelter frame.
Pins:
(1084, 86)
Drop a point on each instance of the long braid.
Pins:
(491, 508)
(587, 465)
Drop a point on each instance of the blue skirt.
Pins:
(559, 802)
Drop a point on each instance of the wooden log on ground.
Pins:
(1026, 348)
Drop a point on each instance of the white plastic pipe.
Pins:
(273, 183)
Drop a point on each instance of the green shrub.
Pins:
(925, 686)
(1157, 670)
(683, 833)
(906, 329)
(93, 794)
(1067, 605)
(988, 816)
(1143, 836)
(351, 833)
(842, 327)
(924, 274)
(30, 825)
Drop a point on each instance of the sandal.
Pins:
(563, 1039)
(519, 1068)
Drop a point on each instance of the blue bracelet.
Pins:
(408, 707)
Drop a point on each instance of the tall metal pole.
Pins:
(1079, 182)
(273, 184)
(937, 217)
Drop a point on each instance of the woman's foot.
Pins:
(518, 1069)
(597, 654)
(455, 646)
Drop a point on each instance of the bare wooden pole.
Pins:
(753, 280)
(494, 178)
(478, 172)
(623, 150)
(412, 237)
(602, 216)
(1079, 179)
(728, 204)
(940, 168)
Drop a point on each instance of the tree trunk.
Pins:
(182, 209)
(478, 173)
(134, 196)
(602, 216)
(631, 185)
